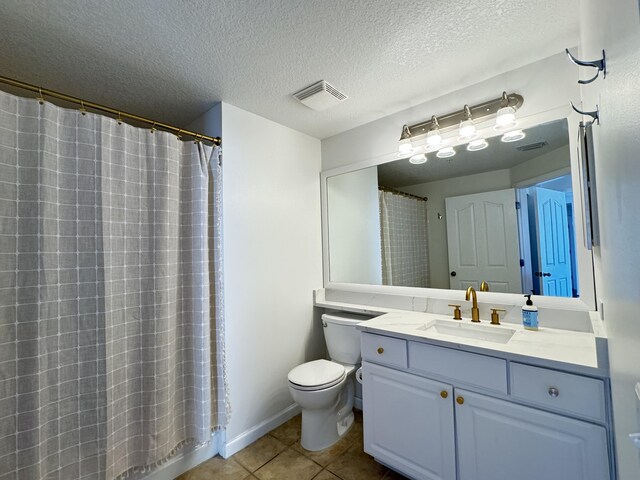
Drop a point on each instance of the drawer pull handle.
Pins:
(380, 350)
(554, 392)
(460, 400)
(444, 394)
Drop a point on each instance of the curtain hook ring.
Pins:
(119, 119)
(178, 136)
(153, 128)
(83, 110)
(40, 98)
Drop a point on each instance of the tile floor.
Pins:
(279, 456)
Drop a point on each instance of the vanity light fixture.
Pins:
(513, 136)
(467, 128)
(446, 152)
(464, 120)
(479, 144)
(418, 159)
(506, 116)
(434, 139)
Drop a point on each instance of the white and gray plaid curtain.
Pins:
(405, 246)
(105, 300)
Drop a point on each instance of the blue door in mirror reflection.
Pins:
(554, 259)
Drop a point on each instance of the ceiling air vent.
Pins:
(532, 146)
(320, 96)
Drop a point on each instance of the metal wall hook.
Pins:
(601, 65)
(595, 115)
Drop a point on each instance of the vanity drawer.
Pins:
(384, 350)
(488, 373)
(559, 391)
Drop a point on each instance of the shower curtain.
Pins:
(403, 232)
(107, 301)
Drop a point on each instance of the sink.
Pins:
(486, 333)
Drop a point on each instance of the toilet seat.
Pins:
(316, 375)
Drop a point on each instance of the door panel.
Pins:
(498, 440)
(408, 424)
(482, 237)
(553, 243)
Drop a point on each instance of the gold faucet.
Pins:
(475, 311)
(484, 286)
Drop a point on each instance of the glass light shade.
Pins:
(476, 145)
(505, 119)
(418, 159)
(446, 152)
(513, 136)
(467, 131)
(404, 147)
(434, 139)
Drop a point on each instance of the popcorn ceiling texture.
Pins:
(172, 60)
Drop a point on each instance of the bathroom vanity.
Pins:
(447, 399)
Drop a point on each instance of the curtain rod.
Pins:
(95, 106)
(398, 192)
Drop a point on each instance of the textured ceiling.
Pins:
(172, 60)
(496, 156)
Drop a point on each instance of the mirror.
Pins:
(503, 215)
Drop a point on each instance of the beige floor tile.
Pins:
(217, 468)
(326, 456)
(326, 475)
(289, 432)
(259, 452)
(391, 475)
(354, 464)
(355, 434)
(289, 465)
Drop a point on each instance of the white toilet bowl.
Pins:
(325, 391)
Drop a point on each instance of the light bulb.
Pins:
(505, 119)
(446, 152)
(513, 136)
(476, 145)
(434, 139)
(418, 159)
(467, 131)
(405, 148)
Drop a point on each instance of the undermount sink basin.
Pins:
(487, 333)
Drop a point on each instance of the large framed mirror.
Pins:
(505, 219)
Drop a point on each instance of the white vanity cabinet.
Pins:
(432, 412)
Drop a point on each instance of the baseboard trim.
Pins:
(188, 458)
(249, 436)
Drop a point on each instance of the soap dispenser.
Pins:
(530, 315)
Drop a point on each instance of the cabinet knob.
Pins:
(460, 400)
(444, 394)
(380, 350)
(554, 392)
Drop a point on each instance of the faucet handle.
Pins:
(495, 316)
(457, 315)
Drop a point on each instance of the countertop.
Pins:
(580, 352)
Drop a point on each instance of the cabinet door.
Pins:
(408, 423)
(498, 440)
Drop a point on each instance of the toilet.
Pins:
(325, 389)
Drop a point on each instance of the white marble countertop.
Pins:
(550, 347)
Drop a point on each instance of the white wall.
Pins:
(355, 250)
(272, 261)
(614, 26)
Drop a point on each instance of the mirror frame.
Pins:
(587, 298)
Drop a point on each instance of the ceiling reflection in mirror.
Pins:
(502, 215)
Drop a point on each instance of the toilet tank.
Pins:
(342, 337)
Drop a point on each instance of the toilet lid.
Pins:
(317, 373)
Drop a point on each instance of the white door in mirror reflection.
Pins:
(482, 238)
(554, 265)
